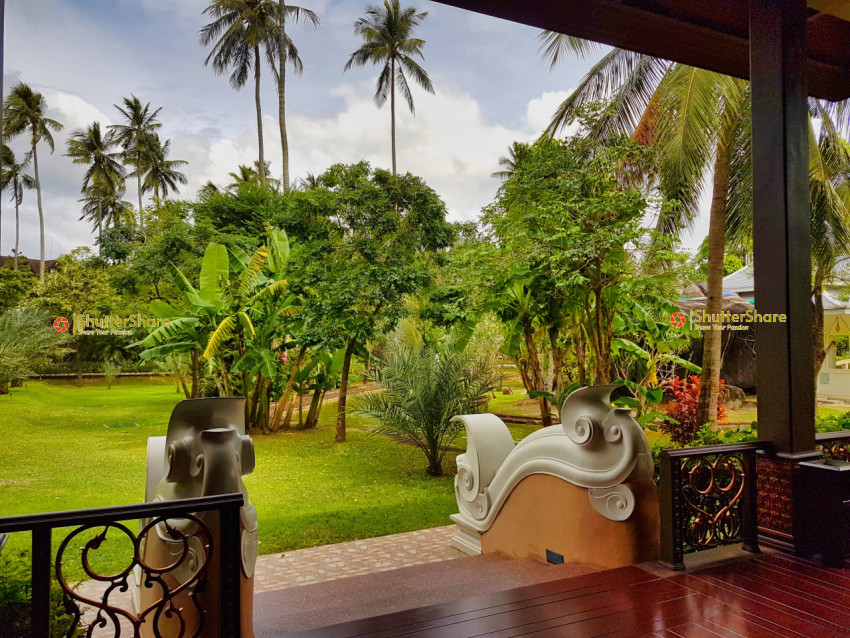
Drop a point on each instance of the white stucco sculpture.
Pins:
(597, 446)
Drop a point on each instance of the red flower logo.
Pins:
(60, 324)
(677, 319)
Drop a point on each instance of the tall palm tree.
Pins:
(107, 205)
(160, 173)
(12, 175)
(24, 112)
(239, 30)
(90, 147)
(386, 31)
(134, 134)
(692, 117)
(288, 52)
(509, 162)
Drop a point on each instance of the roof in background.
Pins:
(741, 280)
(712, 34)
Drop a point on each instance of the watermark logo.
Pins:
(60, 324)
(677, 319)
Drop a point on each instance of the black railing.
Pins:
(834, 445)
(708, 499)
(161, 515)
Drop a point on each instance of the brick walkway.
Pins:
(327, 562)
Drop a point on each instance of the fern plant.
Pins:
(422, 389)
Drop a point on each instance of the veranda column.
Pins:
(782, 261)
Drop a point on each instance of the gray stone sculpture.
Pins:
(205, 452)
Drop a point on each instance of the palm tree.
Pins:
(105, 173)
(12, 174)
(107, 205)
(288, 51)
(160, 173)
(24, 112)
(240, 28)
(509, 162)
(386, 31)
(134, 134)
(692, 117)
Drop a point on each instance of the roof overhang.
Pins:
(711, 34)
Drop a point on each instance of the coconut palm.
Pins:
(386, 30)
(288, 52)
(160, 173)
(509, 162)
(12, 176)
(106, 205)
(90, 147)
(134, 134)
(239, 30)
(24, 112)
(692, 117)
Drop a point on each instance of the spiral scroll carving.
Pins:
(166, 610)
(580, 431)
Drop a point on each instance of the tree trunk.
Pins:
(712, 340)
(281, 96)
(435, 468)
(820, 351)
(343, 392)
(262, 166)
(79, 361)
(536, 371)
(196, 375)
(17, 232)
(581, 356)
(139, 187)
(557, 361)
(40, 210)
(99, 229)
(281, 404)
(315, 409)
(392, 111)
(288, 418)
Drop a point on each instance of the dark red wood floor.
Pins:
(768, 595)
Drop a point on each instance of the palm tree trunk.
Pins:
(40, 209)
(392, 111)
(713, 340)
(139, 187)
(343, 392)
(284, 398)
(281, 96)
(17, 231)
(818, 329)
(99, 229)
(259, 112)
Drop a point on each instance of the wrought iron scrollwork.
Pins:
(712, 493)
(837, 448)
(170, 607)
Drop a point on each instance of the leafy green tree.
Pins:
(12, 176)
(104, 173)
(422, 390)
(106, 207)
(371, 230)
(288, 53)
(24, 112)
(15, 286)
(135, 134)
(387, 31)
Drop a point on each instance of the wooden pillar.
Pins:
(782, 262)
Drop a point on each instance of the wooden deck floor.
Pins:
(769, 595)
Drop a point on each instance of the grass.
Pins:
(308, 490)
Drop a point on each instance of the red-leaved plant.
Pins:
(682, 407)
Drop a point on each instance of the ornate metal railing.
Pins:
(163, 514)
(708, 499)
(834, 445)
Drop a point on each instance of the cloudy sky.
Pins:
(85, 55)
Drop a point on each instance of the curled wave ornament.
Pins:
(616, 503)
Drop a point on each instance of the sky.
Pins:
(86, 55)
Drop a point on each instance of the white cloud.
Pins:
(540, 109)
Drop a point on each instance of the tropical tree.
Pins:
(27, 341)
(24, 112)
(160, 173)
(238, 31)
(288, 53)
(134, 134)
(104, 174)
(12, 176)
(106, 207)
(691, 117)
(386, 30)
(422, 390)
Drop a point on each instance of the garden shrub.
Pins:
(832, 423)
(15, 605)
(681, 410)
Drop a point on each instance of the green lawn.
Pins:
(308, 490)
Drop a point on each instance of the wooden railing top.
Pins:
(714, 449)
(100, 515)
(832, 436)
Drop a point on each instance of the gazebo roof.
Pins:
(711, 34)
